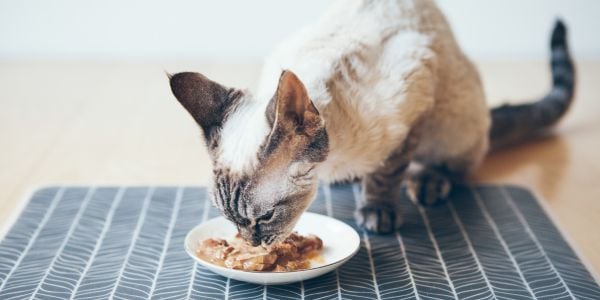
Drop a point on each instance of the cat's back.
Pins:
(363, 37)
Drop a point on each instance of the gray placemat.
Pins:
(127, 243)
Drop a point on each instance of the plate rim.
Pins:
(191, 253)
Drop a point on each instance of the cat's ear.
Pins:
(291, 108)
(206, 100)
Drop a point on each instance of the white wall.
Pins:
(241, 30)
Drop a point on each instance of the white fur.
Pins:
(373, 68)
(242, 135)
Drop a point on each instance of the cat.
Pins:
(369, 89)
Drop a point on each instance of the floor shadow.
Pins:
(550, 154)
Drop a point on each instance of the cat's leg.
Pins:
(432, 184)
(379, 210)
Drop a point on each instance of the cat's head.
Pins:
(264, 152)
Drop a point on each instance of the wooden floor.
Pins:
(81, 123)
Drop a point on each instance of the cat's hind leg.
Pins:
(433, 182)
(430, 185)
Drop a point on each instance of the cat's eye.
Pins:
(303, 172)
(266, 217)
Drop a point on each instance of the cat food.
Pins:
(293, 253)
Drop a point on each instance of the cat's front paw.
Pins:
(429, 187)
(379, 218)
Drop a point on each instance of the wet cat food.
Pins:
(293, 253)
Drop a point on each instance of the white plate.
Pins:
(340, 243)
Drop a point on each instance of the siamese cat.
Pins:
(369, 89)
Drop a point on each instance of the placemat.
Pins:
(487, 242)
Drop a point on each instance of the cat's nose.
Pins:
(250, 236)
(256, 242)
(254, 239)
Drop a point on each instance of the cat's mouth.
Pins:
(267, 240)
(273, 239)
(256, 238)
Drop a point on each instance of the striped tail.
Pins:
(514, 123)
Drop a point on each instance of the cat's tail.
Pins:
(514, 123)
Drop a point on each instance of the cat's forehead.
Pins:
(243, 133)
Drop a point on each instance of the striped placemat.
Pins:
(488, 242)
